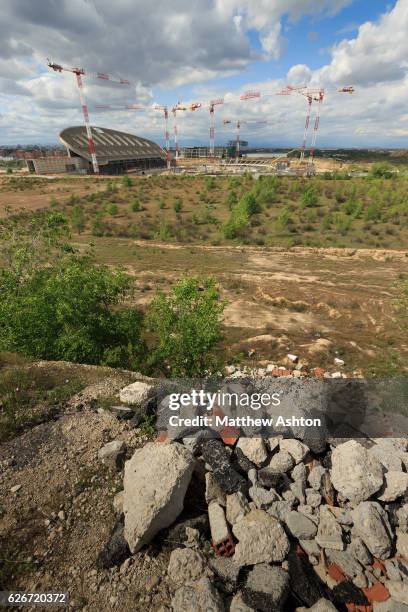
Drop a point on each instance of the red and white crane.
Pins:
(179, 107)
(79, 73)
(165, 111)
(238, 124)
(213, 104)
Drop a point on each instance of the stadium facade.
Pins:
(117, 153)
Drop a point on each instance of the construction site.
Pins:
(99, 153)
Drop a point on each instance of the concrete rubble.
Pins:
(341, 512)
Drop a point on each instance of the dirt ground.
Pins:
(54, 526)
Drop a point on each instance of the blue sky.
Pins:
(199, 50)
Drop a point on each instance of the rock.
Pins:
(299, 472)
(237, 507)
(313, 498)
(300, 526)
(115, 551)
(346, 561)
(329, 532)
(195, 442)
(118, 502)
(296, 449)
(262, 497)
(398, 591)
(280, 509)
(281, 463)
(385, 455)
(151, 583)
(177, 534)
(16, 488)
(136, 393)
(254, 449)
(155, 483)
(322, 605)
(113, 453)
(360, 551)
(238, 604)
(241, 463)
(273, 443)
(215, 454)
(226, 569)
(185, 565)
(198, 596)
(311, 547)
(355, 473)
(218, 523)
(315, 477)
(213, 491)
(402, 515)
(269, 478)
(122, 413)
(402, 543)
(298, 489)
(372, 526)
(261, 539)
(292, 358)
(266, 588)
(391, 605)
(396, 485)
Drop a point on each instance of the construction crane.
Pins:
(165, 111)
(312, 95)
(238, 124)
(179, 107)
(213, 104)
(119, 107)
(79, 73)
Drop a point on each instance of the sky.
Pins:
(198, 50)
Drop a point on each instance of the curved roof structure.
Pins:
(110, 145)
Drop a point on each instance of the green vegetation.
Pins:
(186, 325)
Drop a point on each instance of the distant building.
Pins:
(116, 152)
(196, 152)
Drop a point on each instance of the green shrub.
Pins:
(232, 199)
(186, 325)
(127, 181)
(162, 204)
(135, 206)
(78, 218)
(178, 205)
(112, 209)
(310, 196)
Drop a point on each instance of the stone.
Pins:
(341, 515)
(213, 491)
(238, 604)
(262, 497)
(355, 473)
(237, 507)
(122, 413)
(280, 509)
(398, 590)
(299, 472)
(136, 393)
(402, 543)
(15, 489)
(345, 560)
(311, 547)
(195, 442)
(218, 524)
(392, 569)
(395, 485)
(296, 449)
(281, 463)
(292, 358)
(261, 538)
(322, 605)
(298, 489)
(315, 477)
(241, 462)
(177, 534)
(113, 453)
(254, 449)
(360, 551)
(300, 526)
(226, 569)
(115, 551)
(118, 503)
(391, 605)
(385, 455)
(155, 483)
(185, 565)
(215, 454)
(372, 526)
(200, 596)
(329, 532)
(266, 588)
(269, 478)
(313, 498)
(402, 516)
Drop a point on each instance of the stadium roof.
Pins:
(110, 145)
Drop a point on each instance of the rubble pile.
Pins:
(271, 524)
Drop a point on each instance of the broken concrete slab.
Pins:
(261, 538)
(266, 588)
(355, 473)
(371, 524)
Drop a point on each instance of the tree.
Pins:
(186, 325)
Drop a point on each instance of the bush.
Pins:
(310, 196)
(162, 204)
(78, 218)
(232, 200)
(127, 181)
(178, 205)
(62, 306)
(135, 206)
(186, 324)
(113, 209)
